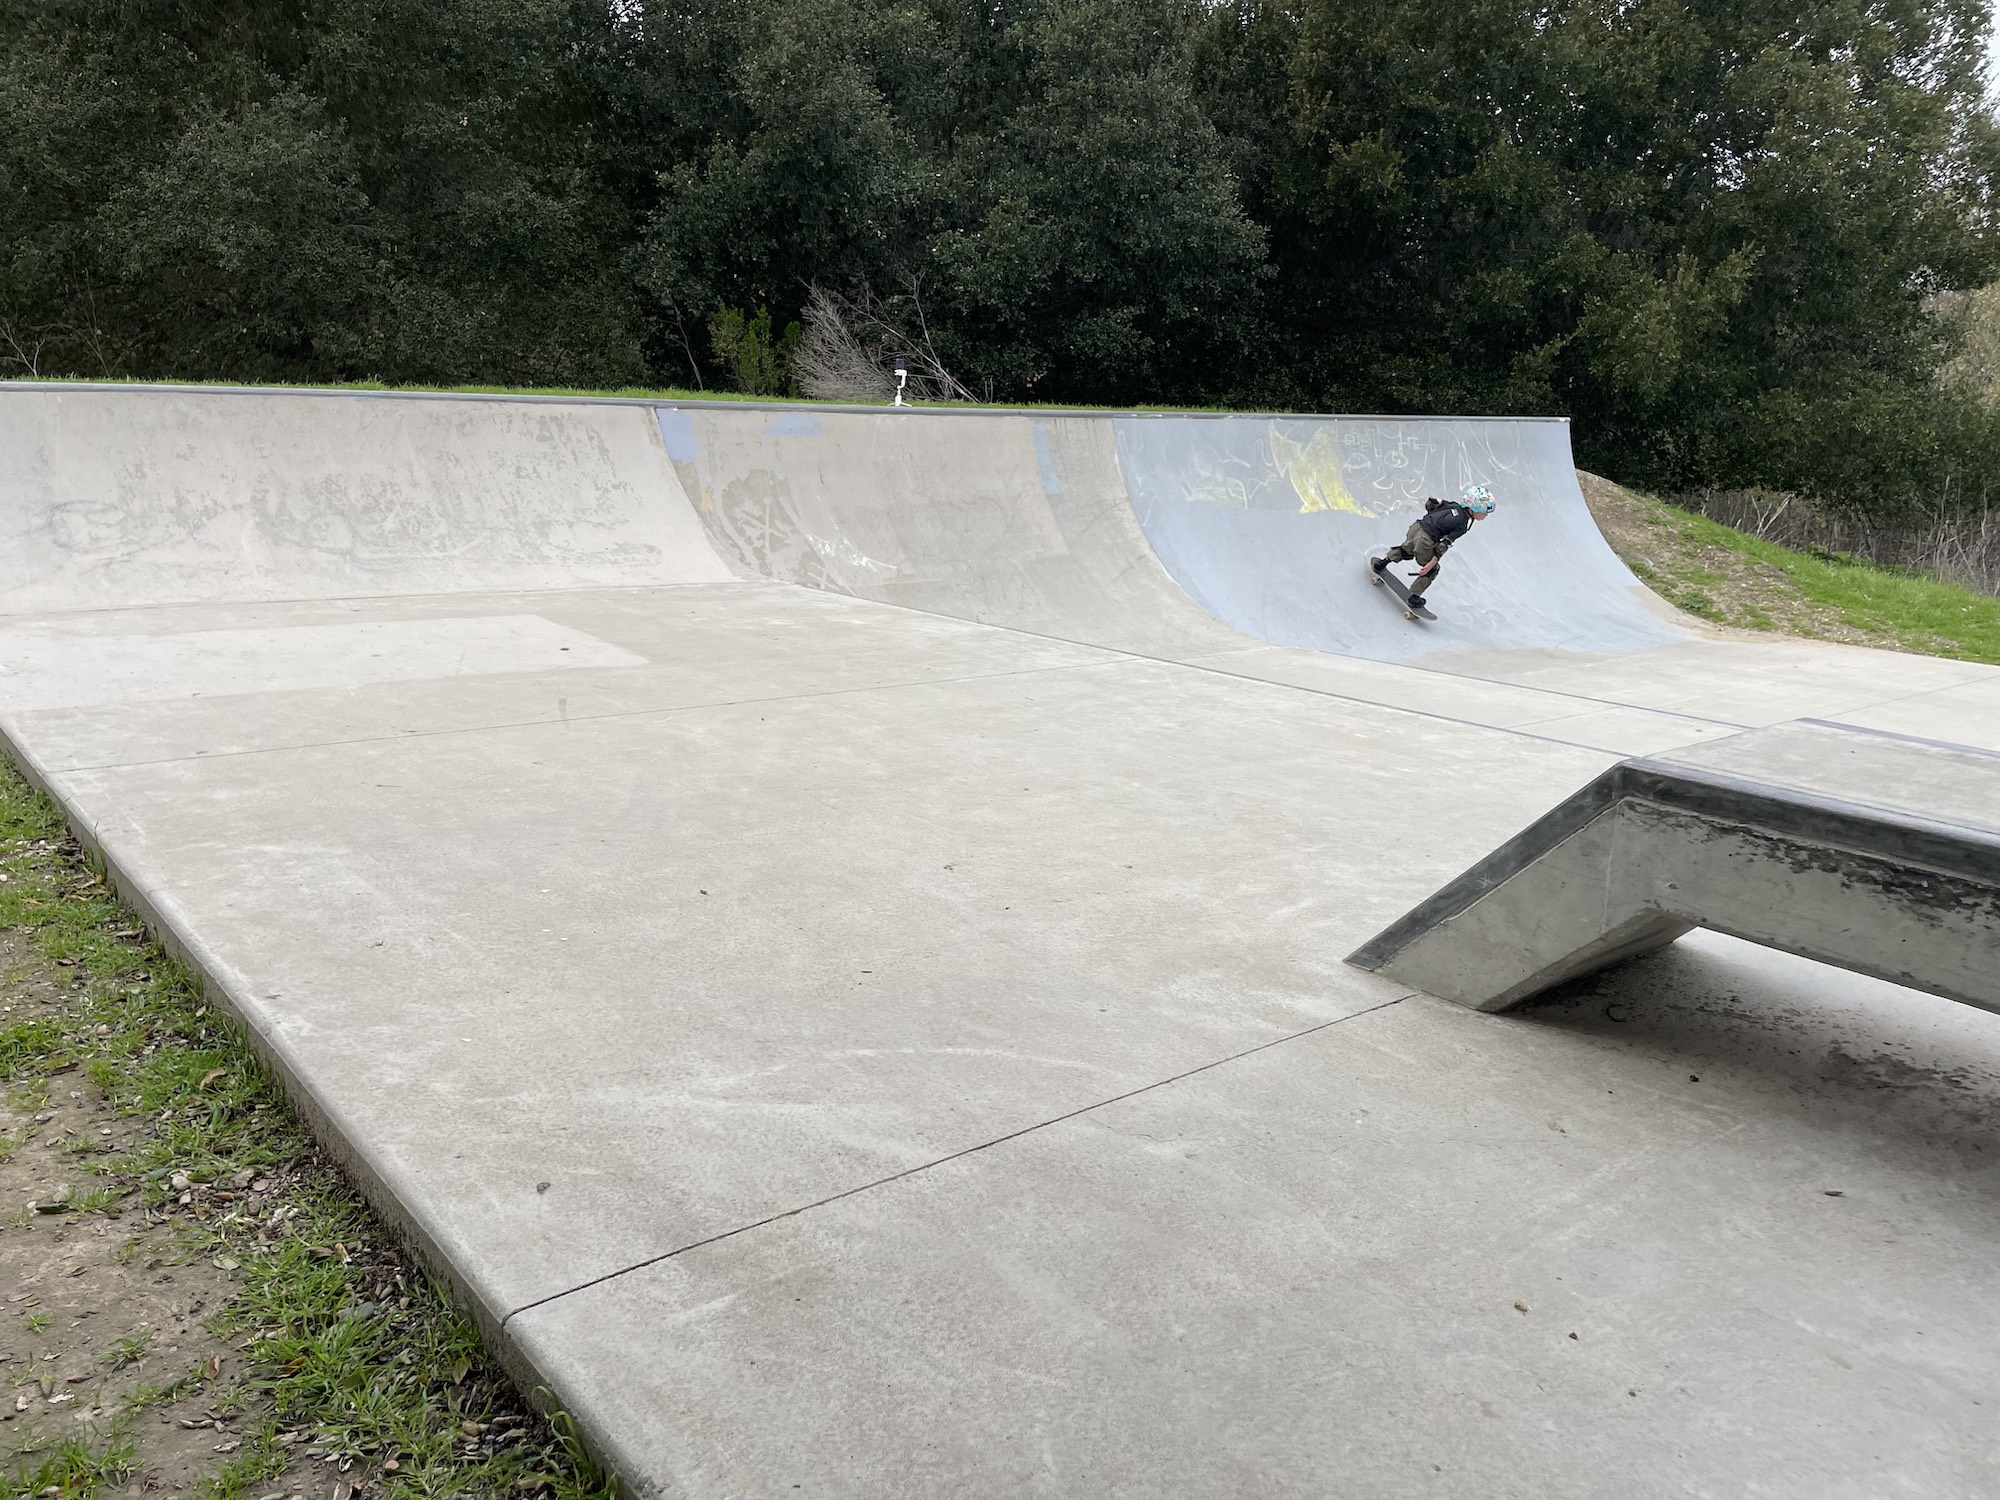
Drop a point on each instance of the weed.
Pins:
(128, 1350)
(38, 1321)
(103, 1200)
(75, 1468)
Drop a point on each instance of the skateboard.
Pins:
(1413, 608)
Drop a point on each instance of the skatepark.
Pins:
(829, 927)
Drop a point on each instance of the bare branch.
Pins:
(851, 343)
(833, 363)
(27, 355)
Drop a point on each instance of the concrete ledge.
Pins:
(1879, 853)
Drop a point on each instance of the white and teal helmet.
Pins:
(1477, 498)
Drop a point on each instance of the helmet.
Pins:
(1477, 498)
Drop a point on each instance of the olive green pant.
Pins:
(1420, 549)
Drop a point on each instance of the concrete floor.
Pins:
(933, 1034)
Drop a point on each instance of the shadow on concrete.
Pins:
(1769, 1031)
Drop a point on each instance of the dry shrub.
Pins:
(1958, 544)
(851, 342)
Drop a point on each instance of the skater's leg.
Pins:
(1424, 553)
(1407, 551)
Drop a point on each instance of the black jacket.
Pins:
(1446, 524)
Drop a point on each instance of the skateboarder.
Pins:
(1431, 534)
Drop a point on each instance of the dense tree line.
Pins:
(1713, 231)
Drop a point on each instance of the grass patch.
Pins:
(75, 1467)
(1917, 613)
(635, 393)
(356, 1358)
(1732, 578)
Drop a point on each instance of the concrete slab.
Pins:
(798, 943)
(1535, 712)
(828, 926)
(1966, 713)
(1354, 1264)
(1921, 778)
(704, 646)
(42, 668)
(1749, 683)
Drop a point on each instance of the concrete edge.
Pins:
(320, 1120)
(1562, 822)
(710, 403)
(1880, 832)
(1956, 849)
(1901, 738)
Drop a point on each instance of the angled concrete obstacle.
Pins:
(1876, 852)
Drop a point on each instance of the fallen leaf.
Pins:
(211, 1075)
(1520, 1306)
(459, 1371)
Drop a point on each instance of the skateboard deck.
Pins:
(1413, 607)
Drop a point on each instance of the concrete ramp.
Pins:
(1165, 534)
(116, 498)
(1266, 522)
(1875, 852)
(1004, 518)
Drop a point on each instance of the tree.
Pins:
(1093, 246)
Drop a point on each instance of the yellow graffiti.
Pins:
(1313, 468)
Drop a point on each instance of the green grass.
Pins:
(359, 1353)
(1916, 612)
(631, 393)
(128, 1351)
(75, 1467)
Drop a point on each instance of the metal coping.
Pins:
(1965, 853)
(842, 408)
